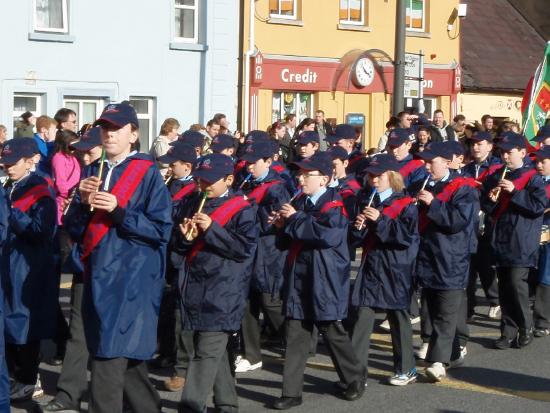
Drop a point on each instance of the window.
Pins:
(145, 109)
(416, 15)
(25, 102)
(285, 103)
(283, 9)
(50, 16)
(352, 12)
(186, 16)
(87, 109)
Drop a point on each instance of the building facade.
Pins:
(170, 58)
(336, 55)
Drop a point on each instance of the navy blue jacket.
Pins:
(515, 236)
(267, 269)
(385, 276)
(544, 260)
(125, 271)
(4, 380)
(215, 284)
(317, 284)
(443, 260)
(348, 188)
(478, 171)
(415, 178)
(30, 284)
(286, 176)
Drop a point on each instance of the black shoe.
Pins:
(525, 338)
(503, 343)
(162, 363)
(285, 403)
(354, 391)
(56, 406)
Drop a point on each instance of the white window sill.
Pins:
(413, 33)
(288, 22)
(51, 37)
(190, 47)
(354, 27)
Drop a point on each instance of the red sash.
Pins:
(221, 216)
(183, 192)
(445, 196)
(297, 246)
(239, 167)
(548, 191)
(258, 193)
(278, 168)
(100, 223)
(29, 198)
(354, 185)
(391, 211)
(411, 166)
(505, 198)
(354, 159)
(489, 171)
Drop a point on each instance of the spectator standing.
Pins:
(161, 144)
(25, 128)
(66, 119)
(323, 128)
(440, 131)
(46, 129)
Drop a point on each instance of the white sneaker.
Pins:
(38, 391)
(458, 362)
(243, 365)
(415, 320)
(385, 325)
(463, 351)
(436, 372)
(422, 351)
(494, 311)
(20, 392)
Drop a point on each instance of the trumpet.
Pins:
(498, 190)
(193, 231)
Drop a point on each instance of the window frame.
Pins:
(352, 22)
(98, 100)
(424, 17)
(150, 116)
(297, 94)
(196, 10)
(16, 115)
(65, 17)
(294, 15)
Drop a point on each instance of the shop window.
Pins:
(429, 102)
(352, 12)
(25, 102)
(87, 109)
(51, 16)
(145, 109)
(186, 14)
(285, 103)
(416, 15)
(283, 9)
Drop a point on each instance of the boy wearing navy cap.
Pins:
(346, 184)
(89, 145)
(224, 144)
(541, 311)
(448, 209)
(314, 228)
(121, 215)
(193, 138)
(31, 288)
(344, 136)
(412, 170)
(266, 190)
(515, 200)
(543, 136)
(218, 238)
(308, 144)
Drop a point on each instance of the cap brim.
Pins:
(251, 157)
(396, 143)
(480, 139)
(331, 139)
(103, 122)
(375, 170)
(84, 146)
(10, 160)
(219, 147)
(508, 147)
(208, 176)
(427, 155)
(166, 158)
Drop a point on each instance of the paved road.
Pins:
(491, 380)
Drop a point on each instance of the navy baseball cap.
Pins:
(543, 133)
(337, 152)
(398, 137)
(456, 147)
(179, 151)
(482, 136)
(221, 142)
(437, 149)
(18, 148)
(543, 153)
(256, 135)
(382, 163)
(511, 140)
(308, 137)
(342, 131)
(320, 161)
(193, 138)
(89, 140)
(213, 167)
(257, 150)
(119, 115)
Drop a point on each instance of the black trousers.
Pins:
(166, 329)
(63, 249)
(23, 361)
(444, 312)
(514, 301)
(401, 338)
(298, 344)
(541, 311)
(209, 370)
(72, 381)
(272, 309)
(482, 265)
(113, 379)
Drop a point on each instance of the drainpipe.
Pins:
(248, 54)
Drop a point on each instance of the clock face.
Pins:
(364, 72)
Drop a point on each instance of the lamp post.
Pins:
(399, 58)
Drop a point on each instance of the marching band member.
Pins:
(4, 377)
